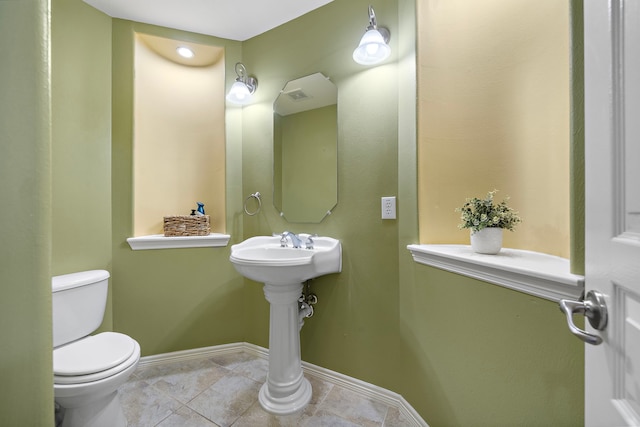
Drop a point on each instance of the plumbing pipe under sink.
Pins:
(304, 310)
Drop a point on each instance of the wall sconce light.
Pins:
(373, 47)
(243, 87)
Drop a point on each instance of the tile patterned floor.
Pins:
(222, 391)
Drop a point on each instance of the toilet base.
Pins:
(103, 412)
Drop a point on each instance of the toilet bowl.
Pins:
(88, 369)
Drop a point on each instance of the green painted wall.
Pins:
(355, 327)
(170, 299)
(26, 398)
(81, 140)
(482, 355)
(577, 137)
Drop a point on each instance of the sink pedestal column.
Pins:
(286, 390)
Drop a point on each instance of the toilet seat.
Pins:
(94, 358)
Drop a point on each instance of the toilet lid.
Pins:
(92, 354)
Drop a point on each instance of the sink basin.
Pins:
(262, 259)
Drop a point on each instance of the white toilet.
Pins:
(88, 369)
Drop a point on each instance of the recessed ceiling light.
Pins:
(185, 52)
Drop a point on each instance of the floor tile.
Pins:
(226, 400)
(320, 389)
(232, 360)
(185, 380)
(256, 416)
(186, 417)
(324, 418)
(353, 407)
(144, 405)
(256, 369)
(222, 391)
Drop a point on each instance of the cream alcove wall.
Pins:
(179, 133)
(494, 113)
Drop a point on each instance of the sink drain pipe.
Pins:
(304, 310)
(305, 304)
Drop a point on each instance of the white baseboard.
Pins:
(363, 388)
(196, 353)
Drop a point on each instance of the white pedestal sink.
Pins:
(283, 271)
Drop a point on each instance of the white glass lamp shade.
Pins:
(239, 93)
(372, 48)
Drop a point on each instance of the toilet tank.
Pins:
(78, 304)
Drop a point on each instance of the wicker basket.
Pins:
(186, 225)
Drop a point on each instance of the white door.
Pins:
(612, 125)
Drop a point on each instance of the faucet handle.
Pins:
(309, 242)
(283, 241)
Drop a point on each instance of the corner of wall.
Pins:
(577, 137)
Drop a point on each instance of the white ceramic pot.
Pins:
(487, 240)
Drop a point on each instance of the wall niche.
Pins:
(179, 132)
(494, 112)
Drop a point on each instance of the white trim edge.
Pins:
(159, 241)
(197, 353)
(366, 389)
(545, 276)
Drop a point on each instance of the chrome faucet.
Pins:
(297, 243)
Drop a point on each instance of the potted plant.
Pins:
(486, 219)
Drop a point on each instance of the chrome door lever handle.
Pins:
(594, 308)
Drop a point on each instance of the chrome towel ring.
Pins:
(256, 196)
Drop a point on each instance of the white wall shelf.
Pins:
(158, 241)
(534, 273)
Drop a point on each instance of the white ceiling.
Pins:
(230, 19)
